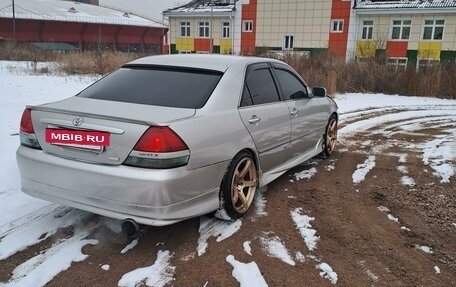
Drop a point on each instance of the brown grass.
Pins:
(332, 72)
(92, 62)
(375, 76)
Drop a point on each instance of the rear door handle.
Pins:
(254, 120)
(294, 112)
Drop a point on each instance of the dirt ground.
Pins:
(356, 239)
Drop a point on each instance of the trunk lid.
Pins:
(125, 123)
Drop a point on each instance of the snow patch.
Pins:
(247, 247)
(327, 272)
(105, 267)
(403, 169)
(300, 257)
(425, 249)
(393, 218)
(214, 227)
(158, 274)
(42, 268)
(130, 246)
(305, 174)
(407, 180)
(302, 223)
(383, 208)
(439, 154)
(364, 125)
(405, 228)
(330, 167)
(437, 269)
(188, 257)
(260, 203)
(36, 227)
(247, 274)
(274, 247)
(362, 169)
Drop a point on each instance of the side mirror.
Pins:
(319, 92)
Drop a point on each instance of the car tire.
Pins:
(238, 187)
(330, 137)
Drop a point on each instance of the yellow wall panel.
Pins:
(429, 50)
(185, 44)
(366, 49)
(226, 46)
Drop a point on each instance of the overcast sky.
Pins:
(148, 8)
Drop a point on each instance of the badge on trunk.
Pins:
(78, 121)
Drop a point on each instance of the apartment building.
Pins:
(406, 31)
(409, 32)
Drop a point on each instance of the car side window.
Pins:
(261, 86)
(246, 98)
(292, 88)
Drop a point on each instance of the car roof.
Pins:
(201, 61)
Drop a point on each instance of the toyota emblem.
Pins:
(78, 121)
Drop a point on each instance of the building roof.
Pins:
(417, 4)
(203, 7)
(68, 11)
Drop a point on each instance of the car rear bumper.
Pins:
(152, 197)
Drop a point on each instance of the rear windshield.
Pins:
(158, 86)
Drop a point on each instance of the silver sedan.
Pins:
(167, 138)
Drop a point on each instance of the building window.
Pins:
(288, 42)
(185, 29)
(367, 30)
(398, 63)
(203, 31)
(426, 63)
(226, 30)
(401, 29)
(337, 26)
(433, 29)
(247, 26)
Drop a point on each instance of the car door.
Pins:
(265, 116)
(305, 110)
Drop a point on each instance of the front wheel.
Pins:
(238, 187)
(330, 137)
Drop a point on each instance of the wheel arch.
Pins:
(254, 156)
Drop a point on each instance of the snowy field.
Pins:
(27, 221)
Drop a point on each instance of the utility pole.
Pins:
(14, 23)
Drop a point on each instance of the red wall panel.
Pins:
(340, 10)
(248, 39)
(202, 45)
(396, 49)
(54, 31)
(84, 33)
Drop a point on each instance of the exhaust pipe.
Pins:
(130, 227)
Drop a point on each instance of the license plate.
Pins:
(77, 138)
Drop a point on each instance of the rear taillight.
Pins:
(27, 133)
(159, 147)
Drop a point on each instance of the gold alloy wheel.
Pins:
(331, 135)
(243, 185)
